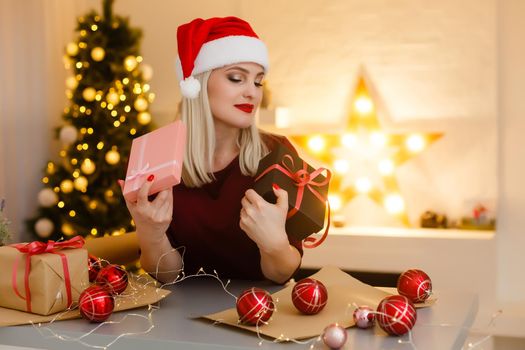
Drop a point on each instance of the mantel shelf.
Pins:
(402, 232)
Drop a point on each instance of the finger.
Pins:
(142, 195)
(282, 196)
(167, 206)
(253, 197)
(121, 184)
(245, 202)
(161, 198)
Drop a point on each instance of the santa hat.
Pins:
(206, 44)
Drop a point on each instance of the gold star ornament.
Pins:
(364, 157)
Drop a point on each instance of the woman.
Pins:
(222, 223)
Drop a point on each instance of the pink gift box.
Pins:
(159, 152)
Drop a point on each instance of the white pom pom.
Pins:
(47, 197)
(44, 227)
(190, 87)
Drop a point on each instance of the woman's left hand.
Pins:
(265, 222)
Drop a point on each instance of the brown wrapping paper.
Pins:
(137, 295)
(46, 279)
(288, 322)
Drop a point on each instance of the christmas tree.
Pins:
(108, 107)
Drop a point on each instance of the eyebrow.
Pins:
(243, 70)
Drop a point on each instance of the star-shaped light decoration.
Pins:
(364, 157)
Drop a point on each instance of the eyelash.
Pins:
(239, 80)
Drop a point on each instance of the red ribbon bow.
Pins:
(35, 248)
(303, 179)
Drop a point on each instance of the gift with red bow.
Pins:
(307, 192)
(43, 277)
(160, 154)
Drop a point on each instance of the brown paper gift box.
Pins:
(47, 286)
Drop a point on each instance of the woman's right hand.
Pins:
(152, 218)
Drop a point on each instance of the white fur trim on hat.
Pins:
(222, 52)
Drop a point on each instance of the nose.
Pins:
(250, 90)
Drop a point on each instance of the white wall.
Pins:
(511, 237)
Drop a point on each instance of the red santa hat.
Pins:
(206, 44)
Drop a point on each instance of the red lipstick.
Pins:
(245, 107)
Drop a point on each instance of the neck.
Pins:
(226, 148)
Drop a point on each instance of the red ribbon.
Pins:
(302, 179)
(36, 248)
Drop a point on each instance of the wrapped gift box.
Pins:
(50, 283)
(160, 153)
(307, 190)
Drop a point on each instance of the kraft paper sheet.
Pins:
(142, 295)
(288, 322)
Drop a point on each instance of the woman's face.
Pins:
(234, 93)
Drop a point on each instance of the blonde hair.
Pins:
(200, 147)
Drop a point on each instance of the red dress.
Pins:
(206, 222)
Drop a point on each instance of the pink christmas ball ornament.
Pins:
(364, 317)
(334, 336)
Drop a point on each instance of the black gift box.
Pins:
(310, 217)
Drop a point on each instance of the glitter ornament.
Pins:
(364, 317)
(254, 306)
(47, 197)
(96, 304)
(415, 285)
(113, 278)
(94, 266)
(334, 336)
(309, 296)
(396, 314)
(68, 134)
(44, 227)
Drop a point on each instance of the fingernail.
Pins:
(276, 187)
(151, 177)
(120, 182)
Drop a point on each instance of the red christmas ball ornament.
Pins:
(94, 266)
(309, 296)
(254, 306)
(114, 278)
(415, 285)
(364, 317)
(334, 336)
(96, 304)
(396, 314)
